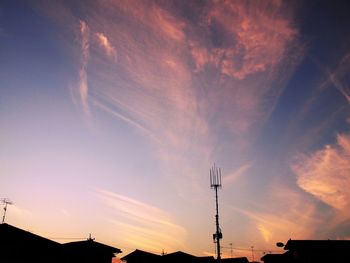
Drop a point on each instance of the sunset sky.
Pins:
(112, 113)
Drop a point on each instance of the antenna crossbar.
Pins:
(5, 202)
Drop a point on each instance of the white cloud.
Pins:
(104, 42)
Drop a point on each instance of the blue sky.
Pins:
(113, 113)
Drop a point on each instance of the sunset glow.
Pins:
(112, 113)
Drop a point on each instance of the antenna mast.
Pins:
(215, 183)
(6, 202)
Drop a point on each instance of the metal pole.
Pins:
(3, 217)
(217, 225)
(215, 182)
(6, 202)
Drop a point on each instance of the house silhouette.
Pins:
(18, 245)
(312, 251)
(139, 256)
(180, 256)
(234, 260)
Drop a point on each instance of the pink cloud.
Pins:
(334, 78)
(160, 84)
(258, 37)
(161, 22)
(83, 85)
(170, 25)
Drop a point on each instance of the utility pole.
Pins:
(215, 183)
(6, 202)
(252, 247)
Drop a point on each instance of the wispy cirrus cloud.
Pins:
(231, 178)
(333, 78)
(189, 83)
(323, 173)
(83, 81)
(143, 225)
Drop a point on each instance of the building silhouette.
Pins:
(312, 251)
(139, 256)
(18, 246)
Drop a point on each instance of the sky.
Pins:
(113, 112)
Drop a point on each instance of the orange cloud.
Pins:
(324, 174)
(265, 232)
(286, 213)
(144, 226)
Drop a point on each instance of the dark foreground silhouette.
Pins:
(312, 251)
(139, 256)
(17, 245)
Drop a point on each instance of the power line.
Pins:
(250, 249)
(71, 238)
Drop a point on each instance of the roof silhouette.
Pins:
(140, 255)
(90, 244)
(235, 260)
(18, 245)
(12, 233)
(317, 244)
(335, 251)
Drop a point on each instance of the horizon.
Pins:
(114, 112)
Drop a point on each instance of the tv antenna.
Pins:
(215, 183)
(5, 202)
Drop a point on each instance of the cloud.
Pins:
(168, 24)
(187, 83)
(143, 225)
(83, 83)
(231, 178)
(266, 234)
(124, 118)
(106, 45)
(254, 50)
(258, 40)
(280, 214)
(192, 82)
(334, 77)
(324, 174)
